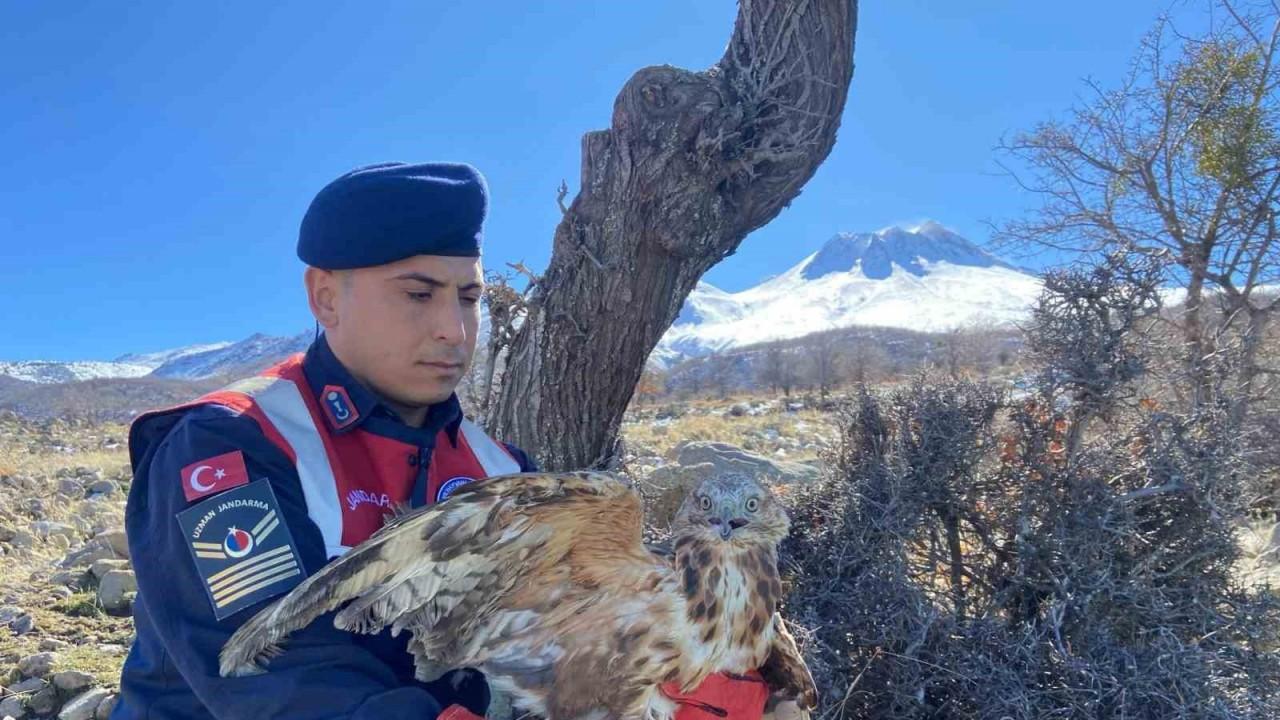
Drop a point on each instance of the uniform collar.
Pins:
(347, 404)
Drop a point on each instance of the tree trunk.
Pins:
(1193, 331)
(693, 162)
(1251, 342)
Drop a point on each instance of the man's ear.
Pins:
(323, 289)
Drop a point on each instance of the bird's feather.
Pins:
(542, 581)
(488, 539)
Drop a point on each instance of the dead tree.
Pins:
(825, 361)
(692, 163)
(1179, 163)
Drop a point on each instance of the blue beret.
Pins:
(382, 213)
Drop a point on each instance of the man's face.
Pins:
(406, 329)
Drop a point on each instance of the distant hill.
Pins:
(255, 351)
(869, 354)
(156, 359)
(49, 371)
(191, 362)
(115, 399)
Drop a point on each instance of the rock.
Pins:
(727, 458)
(117, 589)
(72, 680)
(70, 488)
(47, 529)
(9, 613)
(116, 540)
(100, 568)
(35, 508)
(104, 487)
(13, 707)
(105, 707)
(48, 644)
(28, 686)
(84, 705)
(672, 483)
(37, 665)
(92, 551)
(43, 702)
(22, 539)
(22, 624)
(6, 533)
(738, 410)
(89, 475)
(68, 578)
(60, 591)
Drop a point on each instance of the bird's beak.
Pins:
(725, 530)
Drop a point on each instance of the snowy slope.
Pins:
(192, 362)
(156, 359)
(926, 279)
(50, 371)
(253, 352)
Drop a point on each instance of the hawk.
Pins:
(543, 582)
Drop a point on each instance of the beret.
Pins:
(387, 212)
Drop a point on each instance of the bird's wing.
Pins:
(524, 533)
(785, 670)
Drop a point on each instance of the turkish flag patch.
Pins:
(213, 475)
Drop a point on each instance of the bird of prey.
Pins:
(543, 583)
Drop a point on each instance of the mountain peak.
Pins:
(911, 249)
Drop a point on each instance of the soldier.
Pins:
(240, 495)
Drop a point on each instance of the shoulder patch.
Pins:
(244, 553)
(213, 475)
(450, 486)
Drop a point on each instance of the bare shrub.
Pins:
(972, 556)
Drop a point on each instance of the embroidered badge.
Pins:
(338, 406)
(213, 475)
(450, 486)
(243, 552)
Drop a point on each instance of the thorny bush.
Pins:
(964, 558)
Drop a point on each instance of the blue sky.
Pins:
(158, 157)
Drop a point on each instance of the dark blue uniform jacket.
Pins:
(172, 670)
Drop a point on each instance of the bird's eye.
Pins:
(705, 502)
(753, 504)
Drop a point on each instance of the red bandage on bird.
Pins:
(722, 697)
(457, 712)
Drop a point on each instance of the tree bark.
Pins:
(692, 163)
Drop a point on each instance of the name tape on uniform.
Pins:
(244, 553)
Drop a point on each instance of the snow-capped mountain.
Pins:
(925, 278)
(50, 371)
(156, 359)
(191, 362)
(255, 351)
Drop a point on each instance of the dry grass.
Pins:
(36, 452)
(765, 433)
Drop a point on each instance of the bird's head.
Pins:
(731, 508)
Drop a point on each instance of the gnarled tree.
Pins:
(693, 162)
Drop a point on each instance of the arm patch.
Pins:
(243, 550)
